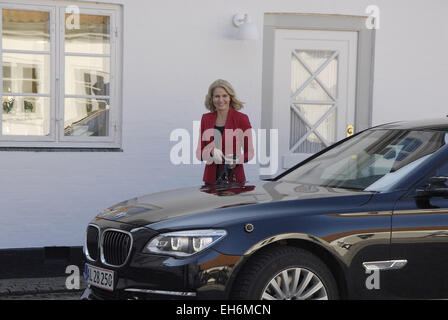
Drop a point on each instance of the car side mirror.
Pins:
(436, 187)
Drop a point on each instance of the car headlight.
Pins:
(184, 243)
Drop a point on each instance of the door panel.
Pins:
(420, 235)
(314, 90)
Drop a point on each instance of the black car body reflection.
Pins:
(373, 204)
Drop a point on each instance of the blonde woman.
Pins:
(225, 134)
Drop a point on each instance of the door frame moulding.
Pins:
(328, 22)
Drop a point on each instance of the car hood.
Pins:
(150, 209)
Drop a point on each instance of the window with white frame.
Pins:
(60, 69)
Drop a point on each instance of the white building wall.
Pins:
(173, 50)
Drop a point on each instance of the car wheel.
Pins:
(285, 273)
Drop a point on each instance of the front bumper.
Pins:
(206, 275)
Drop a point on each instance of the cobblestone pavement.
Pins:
(39, 289)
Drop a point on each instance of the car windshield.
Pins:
(371, 161)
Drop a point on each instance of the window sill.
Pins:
(35, 149)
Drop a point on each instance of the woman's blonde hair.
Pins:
(234, 102)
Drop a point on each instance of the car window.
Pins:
(441, 170)
(372, 161)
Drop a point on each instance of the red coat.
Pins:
(235, 120)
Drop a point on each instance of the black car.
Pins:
(365, 218)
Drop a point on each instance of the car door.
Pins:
(420, 236)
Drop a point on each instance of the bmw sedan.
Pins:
(366, 218)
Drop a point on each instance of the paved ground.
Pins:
(45, 296)
(39, 289)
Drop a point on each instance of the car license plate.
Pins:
(99, 277)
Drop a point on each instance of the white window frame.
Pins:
(57, 95)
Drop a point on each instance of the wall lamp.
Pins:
(247, 29)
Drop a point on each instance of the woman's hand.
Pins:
(231, 161)
(217, 156)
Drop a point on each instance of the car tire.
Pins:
(265, 276)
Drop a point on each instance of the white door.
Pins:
(314, 90)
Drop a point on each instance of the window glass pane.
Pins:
(26, 73)
(312, 114)
(313, 92)
(327, 128)
(25, 30)
(87, 33)
(7, 85)
(25, 116)
(86, 117)
(87, 75)
(314, 59)
(298, 75)
(6, 71)
(327, 76)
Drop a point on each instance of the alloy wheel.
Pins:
(295, 284)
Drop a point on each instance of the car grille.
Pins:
(92, 242)
(116, 247)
